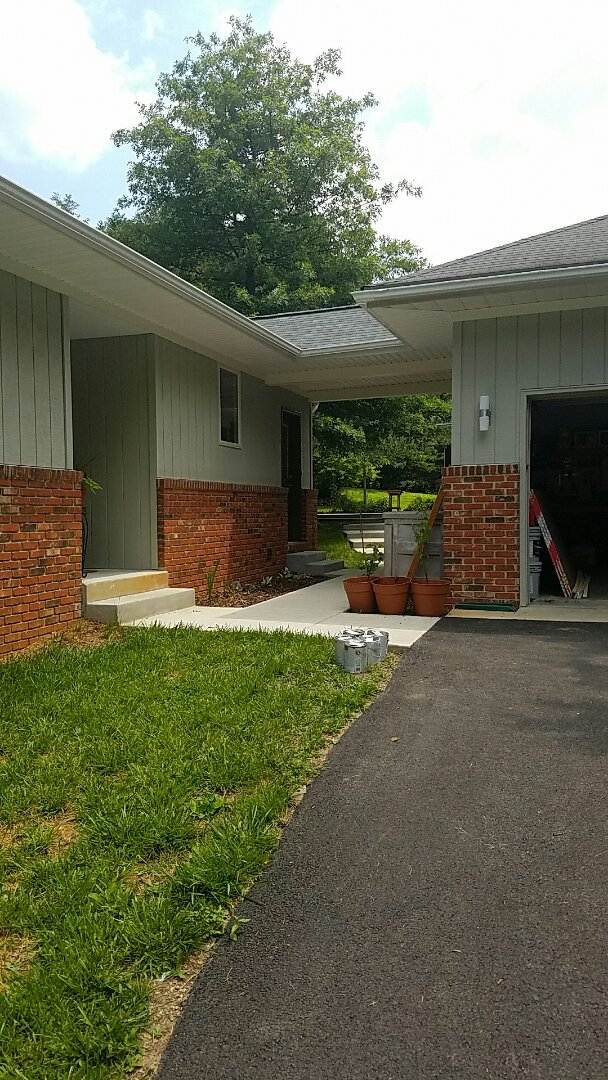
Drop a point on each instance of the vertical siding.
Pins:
(115, 440)
(502, 357)
(35, 427)
(187, 411)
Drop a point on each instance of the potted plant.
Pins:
(430, 597)
(391, 594)
(359, 590)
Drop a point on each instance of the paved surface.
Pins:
(437, 908)
(318, 609)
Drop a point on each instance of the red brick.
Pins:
(40, 553)
(481, 532)
(241, 525)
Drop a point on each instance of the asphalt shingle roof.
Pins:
(583, 244)
(328, 327)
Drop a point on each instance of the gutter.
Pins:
(434, 289)
(35, 207)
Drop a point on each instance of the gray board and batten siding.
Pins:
(144, 408)
(553, 350)
(115, 442)
(187, 409)
(35, 409)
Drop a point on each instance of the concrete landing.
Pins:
(318, 609)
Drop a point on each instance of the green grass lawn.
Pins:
(351, 501)
(332, 540)
(141, 787)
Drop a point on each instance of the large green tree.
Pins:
(251, 179)
(384, 442)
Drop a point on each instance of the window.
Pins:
(230, 407)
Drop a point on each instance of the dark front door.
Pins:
(291, 471)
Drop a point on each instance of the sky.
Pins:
(498, 112)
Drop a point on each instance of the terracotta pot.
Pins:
(391, 594)
(360, 594)
(430, 597)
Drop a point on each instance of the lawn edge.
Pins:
(168, 997)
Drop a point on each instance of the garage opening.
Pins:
(569, 472)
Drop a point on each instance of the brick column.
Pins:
(481, 532)
(309, 511)
(243, 526)
(40, 553)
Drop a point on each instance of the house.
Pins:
(196, 421)
(526, 328)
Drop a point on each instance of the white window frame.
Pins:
(223, 442)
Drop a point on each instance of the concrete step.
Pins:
(312, 563)
(324, 566)
(127, 608)
(297, 560)
(105, 584)
(354, 534)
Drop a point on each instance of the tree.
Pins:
(349, 442)
(414, 451)
(66, 202)
(390, 442)
(251, 180)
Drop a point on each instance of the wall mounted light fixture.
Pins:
(484, 412)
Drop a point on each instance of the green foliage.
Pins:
(414, 451)
(371, 560)
(397, 442)
(252, 181)
(66, 202)
(210, 578)
(176, 753)
(332, 540)
(422, 535)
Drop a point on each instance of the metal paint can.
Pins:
(384, 639)
(374, 645)
(340, 643)
(355, 657)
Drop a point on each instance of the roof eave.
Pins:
(490, 282)
(35, 207)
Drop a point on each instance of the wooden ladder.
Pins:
(415, 563)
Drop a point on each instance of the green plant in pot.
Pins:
(360, 590)
(429, 596)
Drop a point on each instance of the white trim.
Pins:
(223, 442)
(92, 238)
(488, 282)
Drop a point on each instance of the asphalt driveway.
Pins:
(438, 905)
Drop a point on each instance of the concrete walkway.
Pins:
(437, 909)
(317, 609)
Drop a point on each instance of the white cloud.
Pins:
(61, 97)
(152, 22)
(511, 140)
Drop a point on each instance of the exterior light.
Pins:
(484, 412)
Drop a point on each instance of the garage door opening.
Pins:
(569, 472)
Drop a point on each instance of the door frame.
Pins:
(526, 397)
(293, 413)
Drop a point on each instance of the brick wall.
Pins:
(309, 514)
(242, 525)
(40, 553)
(481, 532)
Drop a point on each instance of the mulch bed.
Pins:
(246, 595)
